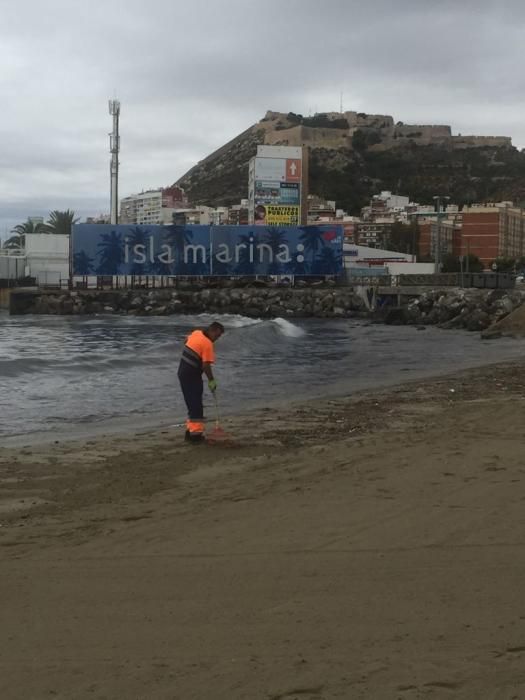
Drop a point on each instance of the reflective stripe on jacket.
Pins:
(197, 350)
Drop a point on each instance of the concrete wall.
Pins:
(47, 257)
(50, 245)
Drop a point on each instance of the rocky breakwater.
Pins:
(321, 302)
(472, 309)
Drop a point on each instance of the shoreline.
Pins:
(372, 402)
(362, 546)
(132, 424)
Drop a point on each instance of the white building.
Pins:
(362, 260)
(393, 201)
(44, 257)
(359, 255)
(12, 265)
(47, 257)
(145, 208)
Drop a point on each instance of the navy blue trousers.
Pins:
(192, 390)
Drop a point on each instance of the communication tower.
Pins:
(114, 148)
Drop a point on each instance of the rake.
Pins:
(218, 436)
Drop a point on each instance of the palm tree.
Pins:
(111, 253)
(13, 243)
(82, 263)
(61, 222)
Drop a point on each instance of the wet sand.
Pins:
(365, 547)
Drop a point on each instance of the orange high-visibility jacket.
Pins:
(197, 350)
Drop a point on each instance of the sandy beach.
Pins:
(364, 547)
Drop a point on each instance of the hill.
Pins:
(355, 155)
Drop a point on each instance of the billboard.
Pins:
(275, 186)
(103, 249)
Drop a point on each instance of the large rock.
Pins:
(396, 317)
(512, 325)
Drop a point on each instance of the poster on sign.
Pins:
(276, 215)
(272, 192)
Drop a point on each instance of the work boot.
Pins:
(195, 438)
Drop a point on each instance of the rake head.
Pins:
(219, 437)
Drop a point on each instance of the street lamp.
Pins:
(438, 199)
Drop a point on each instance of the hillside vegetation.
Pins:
(354, 155)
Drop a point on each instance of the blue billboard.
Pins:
(104, 249)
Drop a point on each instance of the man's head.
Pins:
(214, 331)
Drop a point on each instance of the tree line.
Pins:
(59, 222)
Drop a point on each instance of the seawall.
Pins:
(473, 309)
(255, 302)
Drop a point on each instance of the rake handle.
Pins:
(216, 400)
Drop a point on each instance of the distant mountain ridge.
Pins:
(354, 155)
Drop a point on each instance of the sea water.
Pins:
(59, 374)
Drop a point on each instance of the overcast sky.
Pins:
(192, 75)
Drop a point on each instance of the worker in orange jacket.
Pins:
(197, 358)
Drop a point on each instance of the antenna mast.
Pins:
(114, 148)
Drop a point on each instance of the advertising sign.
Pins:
(276, 215)
(268, 192)
(103, 249)
(290, 193)
(275, 179)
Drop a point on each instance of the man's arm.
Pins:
(206, 368)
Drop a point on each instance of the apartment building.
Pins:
(486, 231)
(373, 234)
(152, 206)
(447, 236)
(480, 233)
(142, 209)
(512, 232)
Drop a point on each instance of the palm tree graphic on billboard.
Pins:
(245, 265)
(313, 241)
(275, 238)
(327, 262)
(110, 253)
(82, 263)
(178, 237)
(139, 236)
